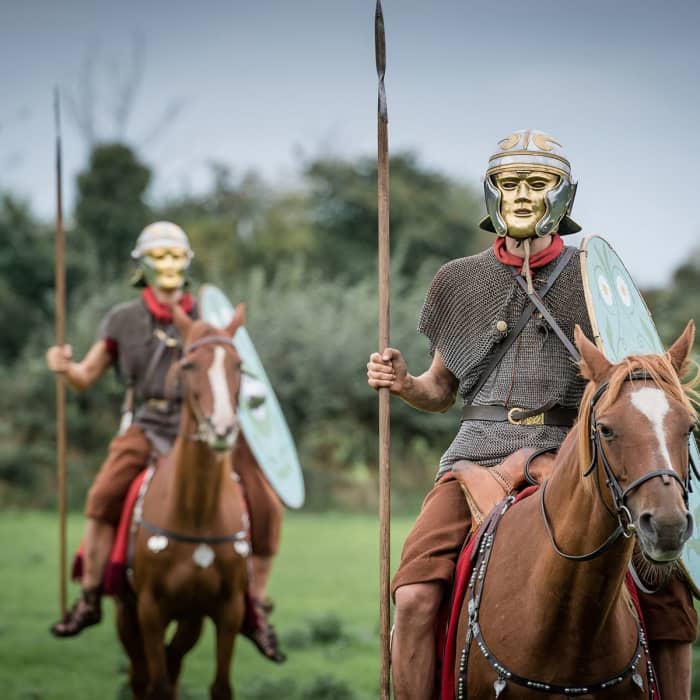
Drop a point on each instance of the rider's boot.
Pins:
(672, 663)
(86, 611)
(259, 630)
(484, 487)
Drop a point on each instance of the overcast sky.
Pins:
(616, 82)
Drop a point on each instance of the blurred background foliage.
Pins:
(303, 257)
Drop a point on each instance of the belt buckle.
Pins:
(160, 405)
(537, 419)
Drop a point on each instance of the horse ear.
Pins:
(679, 352)
(237, 321)
(181, 320)
(594, 365)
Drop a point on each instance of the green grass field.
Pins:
(325, 586)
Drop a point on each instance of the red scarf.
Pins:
(162, 312)
(538, 260)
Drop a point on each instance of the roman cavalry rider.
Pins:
(520, 389)
(139, 339)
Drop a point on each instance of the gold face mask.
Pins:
(165, 267)
(523, 201)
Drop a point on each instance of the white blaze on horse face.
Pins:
(223, 416)
(654, 405)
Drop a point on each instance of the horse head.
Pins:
(635, 422)
(210, 375)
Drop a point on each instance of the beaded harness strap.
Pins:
(504, 674)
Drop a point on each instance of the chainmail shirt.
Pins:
(463, 306)
(136, 334)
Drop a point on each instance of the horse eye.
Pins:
(606, 432)
(188, 365)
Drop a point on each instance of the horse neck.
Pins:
(580, 524)
(198, 477)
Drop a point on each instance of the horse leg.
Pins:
(130, 637)
(153, 623)
(185, 637)
(228, 624)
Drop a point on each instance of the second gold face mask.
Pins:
(165, 267)
(523, 199)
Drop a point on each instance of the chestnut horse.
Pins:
(552, 617)
(189, 555)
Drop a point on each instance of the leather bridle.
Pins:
(202, 421)
(625, 524)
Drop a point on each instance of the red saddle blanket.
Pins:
(115, 580)
(447, 637)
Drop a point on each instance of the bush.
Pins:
(327, 629)
(328, 688)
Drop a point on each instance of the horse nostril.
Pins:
(689, 527)
(646, 524)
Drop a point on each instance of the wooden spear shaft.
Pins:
(384, 396)
(60, 283)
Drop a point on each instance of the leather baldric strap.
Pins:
(564, 417)
(501, 349)
(536, 299)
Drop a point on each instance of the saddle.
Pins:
(484, 487)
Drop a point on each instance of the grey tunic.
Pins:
(131, 331)
(464, 303)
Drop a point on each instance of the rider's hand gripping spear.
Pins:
(384, 415)
(60, 301)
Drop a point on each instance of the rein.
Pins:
(625, 526)
(505, 675)
(199, 436)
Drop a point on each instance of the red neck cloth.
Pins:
(538, 260)
(162, 312)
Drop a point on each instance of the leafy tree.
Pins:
(677, 303)
(240, 223)
(431, 215)
(110, 209)
(26, 276)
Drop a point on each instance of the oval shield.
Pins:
(623, 326)
(262, 421)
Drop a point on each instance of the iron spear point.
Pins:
(380, 58)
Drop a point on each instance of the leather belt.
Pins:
(564, 417)
(160, 405)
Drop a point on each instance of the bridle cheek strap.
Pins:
(619, 495)
(199, 416)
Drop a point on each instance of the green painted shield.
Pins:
(623, 326)
(262, 421)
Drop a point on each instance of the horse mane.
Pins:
(661, 372)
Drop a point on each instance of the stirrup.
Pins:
(259, 630)
(86, 611)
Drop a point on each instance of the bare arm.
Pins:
(435, 390)
(80, 375)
